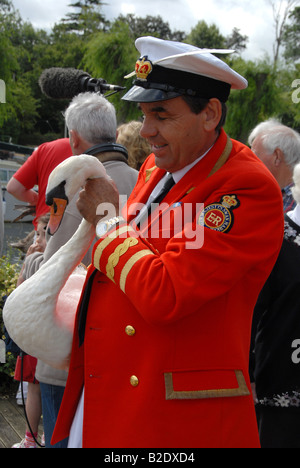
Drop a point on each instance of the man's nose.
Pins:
(149, 129)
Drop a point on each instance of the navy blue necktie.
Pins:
(144, 213)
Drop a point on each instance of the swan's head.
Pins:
(65, 181)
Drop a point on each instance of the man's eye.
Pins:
(159, 117)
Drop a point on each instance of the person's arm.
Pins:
(20, 192)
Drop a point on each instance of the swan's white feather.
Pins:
(29, 312)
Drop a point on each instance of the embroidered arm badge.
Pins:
(219, 216)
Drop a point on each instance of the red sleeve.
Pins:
(27, 174)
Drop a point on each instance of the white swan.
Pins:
(30, 311)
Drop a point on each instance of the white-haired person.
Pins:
(275, 361)
(278, 147)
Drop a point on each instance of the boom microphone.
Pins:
(65, 83)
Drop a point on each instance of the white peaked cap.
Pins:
(190, 65)
(188, 58)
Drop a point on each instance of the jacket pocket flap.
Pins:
(190, 385)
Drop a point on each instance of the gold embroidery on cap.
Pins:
(143, 68)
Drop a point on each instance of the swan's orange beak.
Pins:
(57, 211)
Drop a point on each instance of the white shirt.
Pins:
(75, 438)
(177, 176)
(295, 214)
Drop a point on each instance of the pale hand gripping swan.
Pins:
(39, 315)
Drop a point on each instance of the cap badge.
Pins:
(143, 68)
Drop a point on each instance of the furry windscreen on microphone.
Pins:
(62, 83)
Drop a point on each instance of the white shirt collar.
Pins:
(295, 215)
(177, 176)
(180, 174)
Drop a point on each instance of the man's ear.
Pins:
(74, 139)
(212, 114)
(278, 157)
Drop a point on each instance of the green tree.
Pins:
(152, 26)
(87, 20)
(236, 41)
(112, 56)
(86, 40)
(291, 37)
(289, 95)
(260, 101)
(5, 6)
(205, 36)
(20, 102)
(210, 37)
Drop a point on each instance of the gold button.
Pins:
(134, 381)
(130, 331)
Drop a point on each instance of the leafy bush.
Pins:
(9, 273)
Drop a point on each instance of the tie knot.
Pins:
(144, 213)
(169, 182)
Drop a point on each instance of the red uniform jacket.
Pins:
(165, 357)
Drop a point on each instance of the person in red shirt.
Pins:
(36, 171)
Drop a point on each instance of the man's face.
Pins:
(175, 133)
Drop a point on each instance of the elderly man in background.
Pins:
(278, 147)
(161, 342)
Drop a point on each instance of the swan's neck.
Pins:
(68, 257)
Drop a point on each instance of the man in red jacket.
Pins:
(161, 344)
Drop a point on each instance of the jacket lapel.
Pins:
(143, 190)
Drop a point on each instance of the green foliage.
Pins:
(255, 104)
(151, 26)
(291, 36)
(113, 56)
(9, 273)
(85, 39)
(205, 36)
(87, 20)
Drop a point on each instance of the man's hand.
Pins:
(98, 199)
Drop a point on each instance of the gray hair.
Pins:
(93, 117)
(276, 135)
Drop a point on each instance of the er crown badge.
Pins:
(219, 216)
(143, 68)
